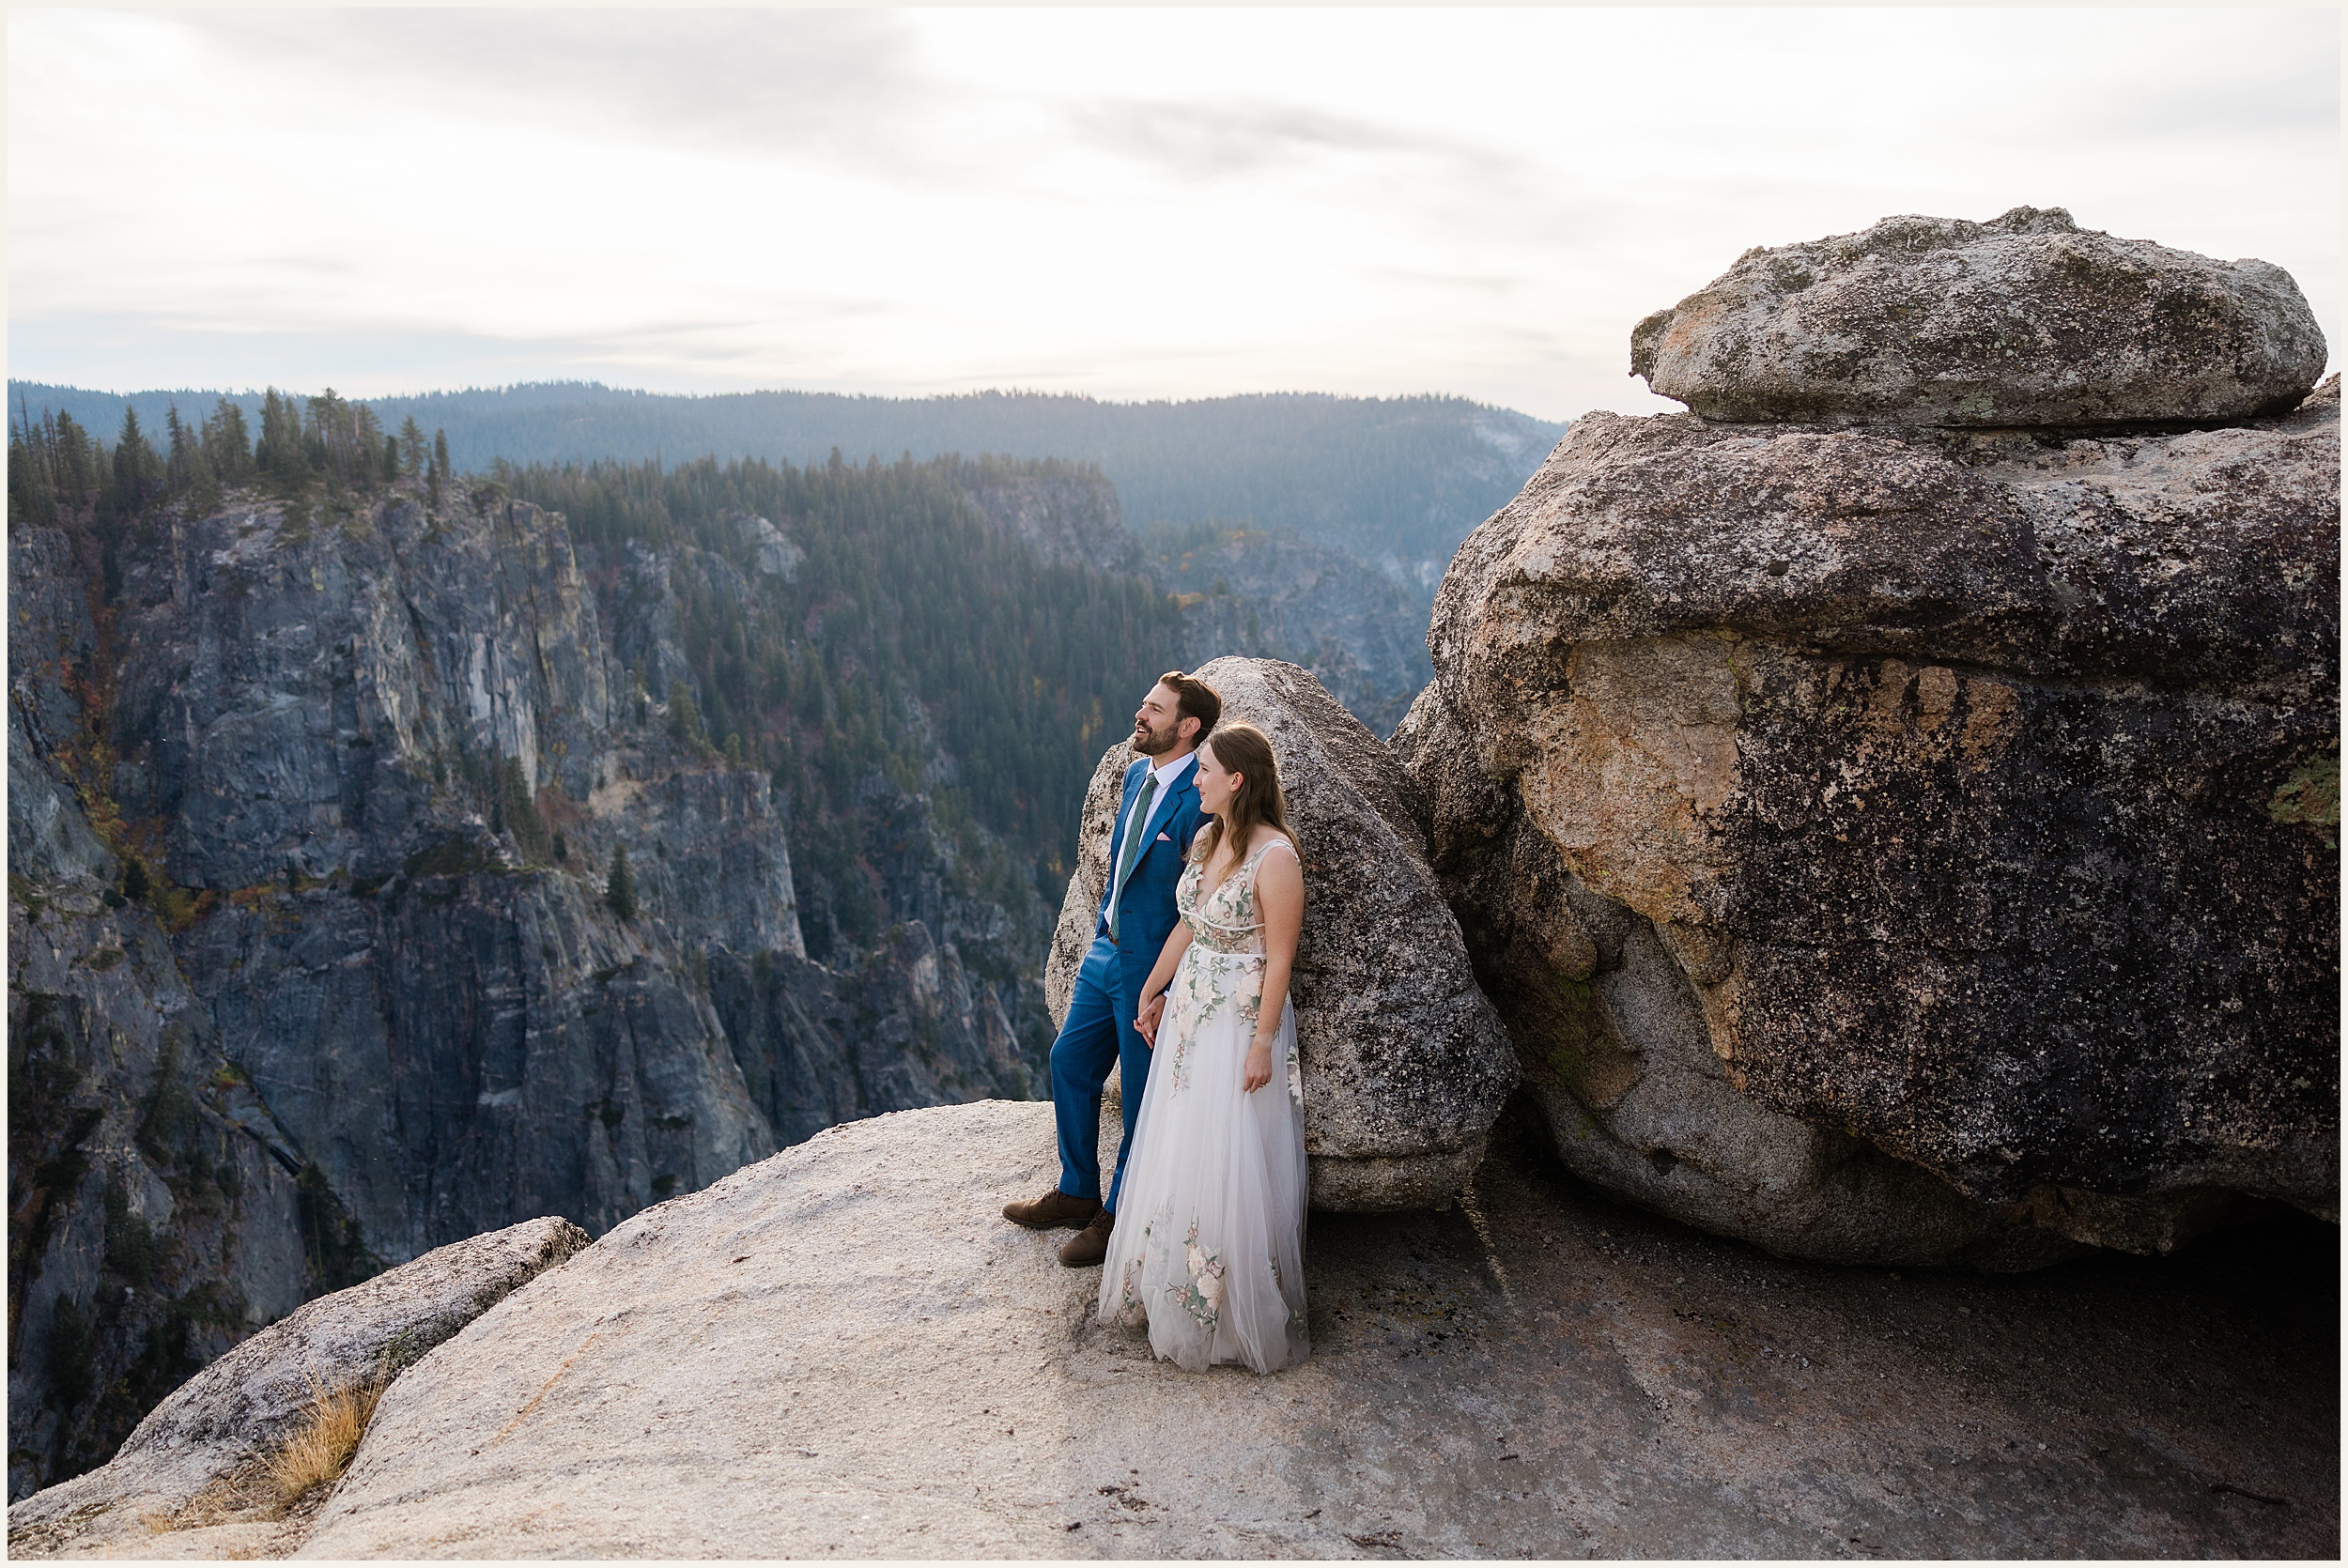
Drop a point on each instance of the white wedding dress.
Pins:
(1210, 1241)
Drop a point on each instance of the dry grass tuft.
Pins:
(320, 1449)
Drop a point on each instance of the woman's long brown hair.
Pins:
(1259, 801)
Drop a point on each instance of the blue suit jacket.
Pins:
(1145, 915)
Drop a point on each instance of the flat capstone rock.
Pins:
(2026, 321)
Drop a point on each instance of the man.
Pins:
(1156, 822)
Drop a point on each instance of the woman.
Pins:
(1209, 1248)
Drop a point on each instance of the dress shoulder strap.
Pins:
(1267, 849)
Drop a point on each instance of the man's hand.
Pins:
(1258, 1068)
(1151, 1011)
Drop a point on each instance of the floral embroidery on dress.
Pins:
(1203, 1299)
(1223, 927)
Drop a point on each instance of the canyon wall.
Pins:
(313, 809)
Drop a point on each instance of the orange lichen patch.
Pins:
(1628, 773)
(1937, 689)
(1992, 720)
(1887, 703)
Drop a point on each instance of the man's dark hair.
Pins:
(1193, 699)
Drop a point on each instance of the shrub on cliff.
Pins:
(619, 889)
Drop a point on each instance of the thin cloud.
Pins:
(844, 83)
(1221, 138)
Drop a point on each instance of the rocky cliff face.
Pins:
(311, 964)
(1066, 514)
(1258, 593)
(154, 1214)
(1244, 590)
(1898, 841)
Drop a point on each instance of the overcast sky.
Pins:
(1133, 204)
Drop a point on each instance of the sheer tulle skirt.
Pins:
(1209, 1249)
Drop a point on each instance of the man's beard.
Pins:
(1155, 742)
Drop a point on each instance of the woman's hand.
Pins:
(1257, 1071)
(1151, 1011)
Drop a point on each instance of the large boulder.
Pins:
(1909, 846)
(2024, 320)
(237, 1410)
(1406, 1066)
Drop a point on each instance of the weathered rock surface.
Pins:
(845, 1349)
(241, 1406)
(1909, 846)
(2024, 320)
(1405, 1065)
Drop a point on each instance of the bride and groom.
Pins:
(1186, 988)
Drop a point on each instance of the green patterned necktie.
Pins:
(1140, 825)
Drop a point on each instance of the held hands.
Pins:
(1151, 1011)
(1257, 1071)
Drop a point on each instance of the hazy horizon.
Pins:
(1134, 205)
(400, 394)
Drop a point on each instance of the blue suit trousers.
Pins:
(1099, 1030)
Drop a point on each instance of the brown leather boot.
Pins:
(1091, 1244)
(1052, 1210)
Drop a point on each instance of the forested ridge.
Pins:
(902, 647)
(906, 641)
(1404, 478)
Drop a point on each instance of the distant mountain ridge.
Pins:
(1395, 481)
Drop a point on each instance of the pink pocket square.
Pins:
(1164, 839)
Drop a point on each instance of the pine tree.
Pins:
(282, 454)
(619, 888)
(440, 450)
(184, 469)
(34, 479)
(77, 461)
(411, 447)
(685, 719)
(227, 445)
(517, 813)
(138, 472)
